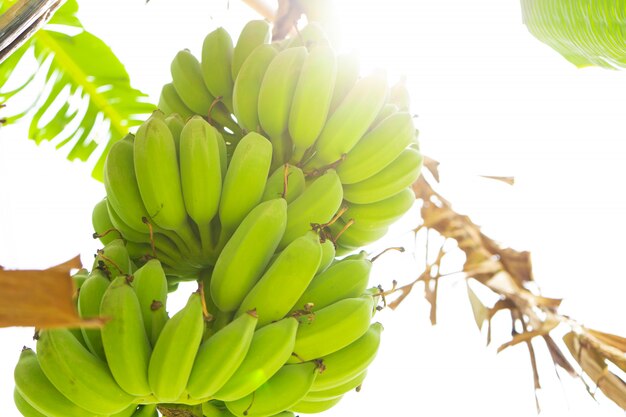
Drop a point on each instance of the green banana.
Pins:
(150, 284)
(201, 175)
(247, 253)
(347, 75)
(245, 180)
(347, 278)
(377, 149)
(353, 237)
(332, 328)
(311, 99)
(387, 110)
(175, 123)
(310, 36)
(328, 255)
(248, 85)
(277, 90)
(270, 348)
(104, 229)
(349, 362)
(36, 390)
(287, 181)
(313, 407)
(171, 103)
(78, 279)
(89, 299)
(124, 337)
(210, 409)
(158, 177)
(113, 259)
(25, 408)
(217, 56)
(128, 412)
(189, 82)
(337, 391)
(253, 34)
(220, 356)
(392, 179)
(316, 205)
(276, 292)
(79, 375)
(288, 386)
(351, 119)
(382, 213)
(172, 359)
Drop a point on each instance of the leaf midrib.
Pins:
(80, 77)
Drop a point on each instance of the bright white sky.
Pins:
(491, 100)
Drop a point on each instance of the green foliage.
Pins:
(585, 32)
(77, 91)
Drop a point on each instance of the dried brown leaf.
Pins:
(506, 180)
(593, 364)
(40, 298)
(432, 166)
(527, 336)
(479, 310)
(617, 342)
(610, 346)
(557, 356)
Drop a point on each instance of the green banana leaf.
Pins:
(76, 90)
(585, 32)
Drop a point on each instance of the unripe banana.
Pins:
(147, 410)
(175, 123)
(347, 363)
(217, 56)
(124, 338)
(24, 406)
(316, 205)
(377, 149)
(285, 280)
(113, 259)
(347, 278)
(353, 237)
(245, 180)
(248, 85)
(351, 119)
(89, 299)
(244, 258)
(104, 229)
(220, 356)
(38, 393)
(310, 36)
(288, 386)
(128, 412)
(337, 391)
(80, 376)
(150, 285)
(382, 213)
(311, 100)
(170, 102)
(332, 328)
(158, 177)
(189, 82)
(78, 279)
(253, 34)
(277, 90)
(392, 179)
(328, 256)
(313, 407)
(347, 74)
(175, 351)
(201, 175)
(270, 348)
(287, 181)
(387, 110)
(211, 409)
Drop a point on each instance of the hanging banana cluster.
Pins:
(294, 336)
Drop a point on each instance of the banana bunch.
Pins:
(317, 113)
(297, 334)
